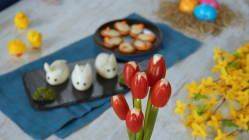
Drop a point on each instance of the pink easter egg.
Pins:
(212, 3)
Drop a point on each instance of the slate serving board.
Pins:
(66, 94)
(148, 28)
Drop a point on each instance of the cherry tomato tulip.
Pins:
(139, 85)
(120, 106)
(161, 93)
(156, 69)
(134, 120)
(129, 70)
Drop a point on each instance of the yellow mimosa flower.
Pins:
(218, 116)
(211, 103)
(190, 99)
(233, 112)
(243, 103)
(242, 96)
(232, 136)
(187, 124)
(194, 117)
(191, 107)
(180, 107)
(243, 121)
(207, 86)
(199, 130)
(220, 135)
(214, 122)
(193, 88)
(231, 94)
(207, 114)
(219, 54)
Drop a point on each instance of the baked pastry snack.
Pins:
(136, 29)
(112, 42)
(146, 37)
(122, 27)
(108, 32)
(126, 47)
(142, 46)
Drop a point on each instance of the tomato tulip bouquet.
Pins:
(140, 127)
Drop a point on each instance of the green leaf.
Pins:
(198, 97)
(232, 65)
(235, 54)
(195, 94)
(229, 124)
(201, 109)
(244, 71)
(121, 79)
(248, 126)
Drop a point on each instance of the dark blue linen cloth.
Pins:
(62, 121)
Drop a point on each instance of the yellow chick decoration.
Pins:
(21, 20)
(35, 39)
(17, 47)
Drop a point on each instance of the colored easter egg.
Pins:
(196, 2)
(187, 6)
(205, 12)
(213, 3)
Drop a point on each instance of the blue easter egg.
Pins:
(205, 12)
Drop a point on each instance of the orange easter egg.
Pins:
(196, 2)
(187, 6)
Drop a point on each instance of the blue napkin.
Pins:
(62, 121)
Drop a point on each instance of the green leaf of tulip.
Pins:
(121, 79)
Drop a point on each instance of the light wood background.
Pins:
(63, 22)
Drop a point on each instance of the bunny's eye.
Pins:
(113, 69)
(77, 83)
(84, 84)
(55, 79)
(108, 70)
(48, 78)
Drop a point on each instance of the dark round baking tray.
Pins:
(148, 28)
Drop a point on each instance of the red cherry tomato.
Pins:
(139, 85)
(134, 120)
(129, 70)
(120, 106)
(161, 93)
(156, 69)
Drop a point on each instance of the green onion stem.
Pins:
(148, 109)
(129, 134)
(138, 104)
(151, 123)
(133, 137)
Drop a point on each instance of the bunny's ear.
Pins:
(46, 67)
(57, 72)
(87, 70)
(112, 59)
(77, 68)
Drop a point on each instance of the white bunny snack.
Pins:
(57, 72)
(82, 77)
(106, 65)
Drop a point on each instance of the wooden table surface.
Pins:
(63, 22)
